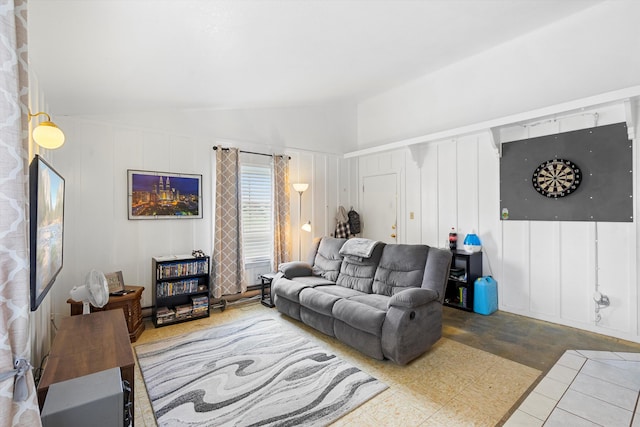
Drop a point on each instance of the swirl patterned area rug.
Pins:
(249, 373)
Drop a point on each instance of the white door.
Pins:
(378, 216)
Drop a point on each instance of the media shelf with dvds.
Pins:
(180, 289)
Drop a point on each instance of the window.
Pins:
(257, 212)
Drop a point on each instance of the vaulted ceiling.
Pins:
(104, 56)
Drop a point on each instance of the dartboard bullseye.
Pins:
(556, 178)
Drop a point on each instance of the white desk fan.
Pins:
(95, 291)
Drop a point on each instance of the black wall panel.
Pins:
(604, 156)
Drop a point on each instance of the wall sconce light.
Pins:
(307, 227)
(47, 134)
(300, 187)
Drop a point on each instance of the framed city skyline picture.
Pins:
(163, 195)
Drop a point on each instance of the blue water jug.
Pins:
(485, 295)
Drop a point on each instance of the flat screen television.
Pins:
(46, 227)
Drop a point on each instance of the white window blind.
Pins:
(257, 212)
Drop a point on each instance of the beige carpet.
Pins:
(451, 385)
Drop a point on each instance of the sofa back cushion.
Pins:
(357, 273)
(328, 259)
(400, 267)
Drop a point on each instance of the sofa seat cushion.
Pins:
(313, 281)
(318, 301)
(400, 267)
(288, 289)
(360, 316)
(381, 302)
(339, 291)
(328, 259)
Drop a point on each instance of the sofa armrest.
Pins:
(413, 297)
(295, 269)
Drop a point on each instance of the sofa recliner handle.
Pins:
(413, 297)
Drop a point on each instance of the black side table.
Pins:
(265, 289)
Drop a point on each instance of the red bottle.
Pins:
(453, 239)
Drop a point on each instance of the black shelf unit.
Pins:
(459, 292)
(177, 280)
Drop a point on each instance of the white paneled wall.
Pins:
(577, 272)
(489, 224)
(98, 234)
(546, 270)
(544, 267)
(329, 178)
(448, 190)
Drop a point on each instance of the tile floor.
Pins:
(452, 384)
(584, 388)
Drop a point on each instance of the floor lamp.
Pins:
(300, 187)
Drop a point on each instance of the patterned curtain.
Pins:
(18, 400)
(281, 217)
(228, 273)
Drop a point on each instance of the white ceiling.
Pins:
(97, 57)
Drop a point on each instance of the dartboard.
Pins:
(556, 178)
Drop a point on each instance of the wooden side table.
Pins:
(265, 289)
(130, 305)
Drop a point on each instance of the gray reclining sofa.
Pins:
(385, 300)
